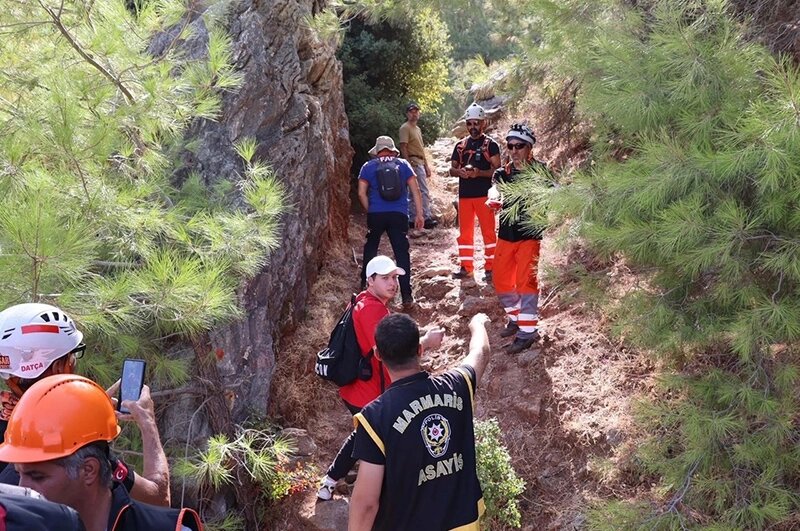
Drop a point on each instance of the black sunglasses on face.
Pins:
(78, 351)
(473, 123)
(512, 147)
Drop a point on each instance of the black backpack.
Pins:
(341, 361)
(390, 186)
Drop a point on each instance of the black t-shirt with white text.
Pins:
(421, 430)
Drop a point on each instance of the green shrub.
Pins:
(500, 483)
(386, 64)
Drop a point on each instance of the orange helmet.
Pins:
(55, 417)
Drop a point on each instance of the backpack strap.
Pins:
(187, 514)
(485, 147)
(460, 150)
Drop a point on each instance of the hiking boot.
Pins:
(430, 223)
(462, 273)
(519, 344)
(325, 491)
(487, 277)
(511, 329)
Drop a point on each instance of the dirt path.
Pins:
(563, 407)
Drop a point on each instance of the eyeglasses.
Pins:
(473, 123)
(78, 351)
(512, 147)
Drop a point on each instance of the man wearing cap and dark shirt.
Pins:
(416, 442)
(388, 215)
(412, 148)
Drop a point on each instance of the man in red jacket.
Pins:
(370, 307)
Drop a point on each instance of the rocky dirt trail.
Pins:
(563, 406)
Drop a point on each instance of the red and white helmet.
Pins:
(32, 337)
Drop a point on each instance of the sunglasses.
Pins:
(512, 147)
(78, 351)
(473, 123)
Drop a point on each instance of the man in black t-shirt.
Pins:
(474, 160)
(416, 442)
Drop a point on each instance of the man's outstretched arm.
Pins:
(479, 350)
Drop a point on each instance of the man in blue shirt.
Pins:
(383, 185)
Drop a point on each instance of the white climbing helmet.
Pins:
(32, 337)
(475, 112)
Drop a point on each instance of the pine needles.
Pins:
(695, 180)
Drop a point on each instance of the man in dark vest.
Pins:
(58, 440)
(416, 442)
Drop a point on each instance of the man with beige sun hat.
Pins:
(383, 186)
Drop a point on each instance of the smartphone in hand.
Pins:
(131, 382)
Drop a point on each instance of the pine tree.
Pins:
(95, 99)
(695, 181)
(91, 221)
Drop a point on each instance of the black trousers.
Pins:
(344, 462)
(395, 225)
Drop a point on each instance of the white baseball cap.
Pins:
(383, 265)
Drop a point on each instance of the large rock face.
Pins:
(291, 101)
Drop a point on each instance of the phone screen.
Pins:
(131, 382)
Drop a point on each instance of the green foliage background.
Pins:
(90, 219)
(695, 181)
(388, 63)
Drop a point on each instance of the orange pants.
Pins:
(468, 208)
(516, 281)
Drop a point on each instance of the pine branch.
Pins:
(77, 47)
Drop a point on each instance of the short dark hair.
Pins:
(97, 449)
(397, 340)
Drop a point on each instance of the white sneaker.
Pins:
(325, 491)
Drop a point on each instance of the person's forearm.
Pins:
(479, 350)
(153, 486)
(362, 516)
(364, 200)
(417, 199)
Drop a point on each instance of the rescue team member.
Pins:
(370, 308)
(516, 281)
(37, 340)
(58, 439)
(386, 216)
(474, 159)
(412, 148)
(416, 442)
